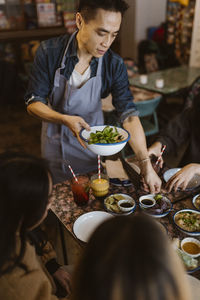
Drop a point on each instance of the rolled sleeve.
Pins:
(122, 97)
(40, 82)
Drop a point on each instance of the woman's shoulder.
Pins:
(25, 284)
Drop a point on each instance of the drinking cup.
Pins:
(80, 189)
(99, 186)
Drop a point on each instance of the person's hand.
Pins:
(64, 279)
(182, 178)
(155, 149)
(75, 124)
(151, 181)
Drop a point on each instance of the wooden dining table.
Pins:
(67, 211)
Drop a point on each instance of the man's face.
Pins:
(96, 36)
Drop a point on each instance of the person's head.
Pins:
(98, 23)
(129, 258)
(25, 186)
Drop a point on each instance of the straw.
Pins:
(73, 173)
(99, 167)
(161, 153)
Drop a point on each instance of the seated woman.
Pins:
(182, 131)
(25, 189)
(130, 258)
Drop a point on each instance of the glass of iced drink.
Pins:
(99, 186)
(80, 189)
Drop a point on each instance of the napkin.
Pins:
(114, 169)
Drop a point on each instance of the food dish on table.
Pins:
(111, 204)
(86, 224)
(191, 264)
(196, 201)
(188, 221)
(191, 246)
(161, 208)
(104, 148)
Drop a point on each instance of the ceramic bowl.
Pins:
(190, 240)
(196, 201)
(101, 148)
(160, 209)
(147, 201)
(179, 225)
(126, 205)
(111, 204)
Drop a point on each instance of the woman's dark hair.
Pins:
(88, 8)
(24, 190)
(129, 255)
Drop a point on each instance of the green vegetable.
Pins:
(107, 136)
(158, 197)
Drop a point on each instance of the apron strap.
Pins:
(57, 74)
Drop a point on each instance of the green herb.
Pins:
(107, 136)
(158, 197)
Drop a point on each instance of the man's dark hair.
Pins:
(88, 8)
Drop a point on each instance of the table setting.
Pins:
(104, 198)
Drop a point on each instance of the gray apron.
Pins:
(58, 142)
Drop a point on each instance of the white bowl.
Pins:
(156, 213)
(150, 197)
(193, 240)
(121, 204)
(194, 201)
(192, 233)
(101, 148)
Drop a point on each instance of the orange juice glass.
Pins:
(100, 187)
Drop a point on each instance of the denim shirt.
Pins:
(48, 59)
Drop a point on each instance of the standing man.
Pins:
(69, 77)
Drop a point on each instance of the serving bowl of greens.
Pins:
(105, 140)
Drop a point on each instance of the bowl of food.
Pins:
(147, 201)
(126, 205)
(114, 204)
(196, 201)
(191, 246)
(105, 140)
(188, 221)
(191, 264)
(159, 209)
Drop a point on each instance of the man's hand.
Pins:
(152, 182)
(75, 124)
(182, 177)
(64, 279)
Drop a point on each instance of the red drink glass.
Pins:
(80, 190)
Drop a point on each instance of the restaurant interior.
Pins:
(162, 56)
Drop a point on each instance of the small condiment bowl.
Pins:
(147, 201)
(191, 246)
(126, 205)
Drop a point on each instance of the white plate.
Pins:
(156, 215)
(169, 173)
(86, 224)
(193, 183)
(127, 197)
